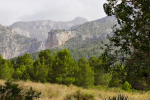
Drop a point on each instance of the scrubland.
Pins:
(59, 91)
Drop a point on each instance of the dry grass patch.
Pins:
(59, 92)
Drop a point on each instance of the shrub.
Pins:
(80, 96)
(12, 92)
(126, 86)
(120, 97)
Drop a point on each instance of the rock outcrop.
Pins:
(12, 45)
(58, 37)
(39, 29)
(98, 29)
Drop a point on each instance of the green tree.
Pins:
(26, 61)
(46, 60)
(64, 68)
(118, 76)
(6, 69)
(43, 66)
(86, 75)
(5, 72)
(132, 37)
(100, 77)
(40, 71)
(45, 56)
(17, 74)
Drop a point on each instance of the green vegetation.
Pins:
(79, 48)
(80, 96)
(133, 40)
(12, 92)
(61, 68)
(120, 97)
(126, 86)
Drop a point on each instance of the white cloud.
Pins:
(56, 10)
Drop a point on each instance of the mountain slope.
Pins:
(98, 29)
(12, 45)
(81, 40)
(39, 29)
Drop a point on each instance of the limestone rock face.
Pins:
(39, 29)
(58, 37)
(21, 32)
(98, 29)
(12, 45)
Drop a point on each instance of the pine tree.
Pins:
(6, 69)
(86, 75)
(64, 67)
(100, 77)
(43, 66)
(26, 61)
(40, 71)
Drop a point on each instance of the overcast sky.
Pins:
(56, 10)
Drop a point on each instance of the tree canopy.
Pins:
(132, 37)
(133, 16)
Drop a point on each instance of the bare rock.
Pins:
(58, 37)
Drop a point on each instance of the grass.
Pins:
(59, 92)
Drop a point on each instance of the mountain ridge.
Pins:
(98, 29)
(13, 44)
(39, 29)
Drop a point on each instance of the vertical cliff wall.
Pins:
(58, 37)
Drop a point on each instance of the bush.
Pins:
(80, 96)
(120, 97)
(12, 92)
(126, 86)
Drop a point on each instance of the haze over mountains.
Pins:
(29, 37)
(40, 29)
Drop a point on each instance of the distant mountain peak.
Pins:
(80, 19)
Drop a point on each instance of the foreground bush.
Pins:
(120, 97)
(126, 86)
(80, 96)
(12, 92)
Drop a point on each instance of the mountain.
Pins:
(12, 45)
(39, 29)
(81, 40)
(98, 29)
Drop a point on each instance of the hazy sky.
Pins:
(56, 10)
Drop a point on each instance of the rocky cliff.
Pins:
(12, 45)
(39, 29)
(58, 37)
(98, 29)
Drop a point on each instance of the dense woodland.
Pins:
(58, 67)
(61, 68)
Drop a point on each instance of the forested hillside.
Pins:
(79, 48)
